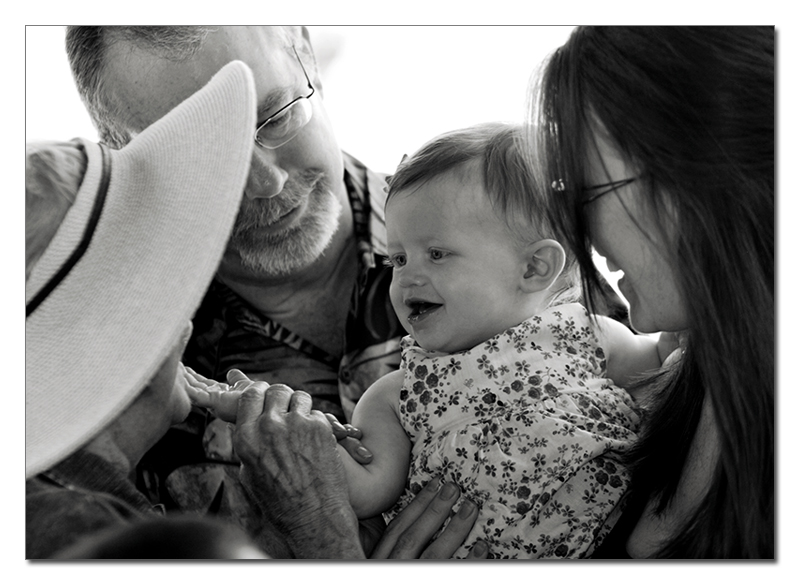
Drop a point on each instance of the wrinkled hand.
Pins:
(349, 437)
(292, 470)
(408, 536)
(222, 400)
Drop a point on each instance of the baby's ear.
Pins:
(544, 261)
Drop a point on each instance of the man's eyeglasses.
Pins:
(605, 189)
(284, 124)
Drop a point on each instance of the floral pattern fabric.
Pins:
(529, 427)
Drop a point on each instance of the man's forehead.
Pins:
(146, 86)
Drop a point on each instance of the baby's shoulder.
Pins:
(387, 386)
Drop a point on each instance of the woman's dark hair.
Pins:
(691, 110)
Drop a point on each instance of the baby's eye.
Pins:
(437, 254)
(395, 261)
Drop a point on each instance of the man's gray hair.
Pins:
(87, 48)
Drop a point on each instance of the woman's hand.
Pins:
(292, 470)
(408, 536)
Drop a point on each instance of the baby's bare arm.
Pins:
(627, 355)
(375, 488)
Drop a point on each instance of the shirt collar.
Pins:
(85, 471)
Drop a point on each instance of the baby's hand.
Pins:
(215, 396)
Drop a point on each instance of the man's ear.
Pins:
(544, 261)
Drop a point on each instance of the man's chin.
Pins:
(266, 253)
(275, 260)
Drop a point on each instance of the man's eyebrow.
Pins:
(275, 99)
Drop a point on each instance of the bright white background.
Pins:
(387, 89)
(372, 61)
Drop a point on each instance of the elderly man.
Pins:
(300, 296)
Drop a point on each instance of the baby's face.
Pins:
(456, 266)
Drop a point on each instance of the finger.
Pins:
(245, 432)
(339, 430)
(356, 450)
(479, 550)
(300, 402)
(417, 536)
(454, 534)
(199, 385)
(198, 396)
(235, 376)
(353, 431)
(411, 530)
(198, 379)
(277, 399)
(251, 406)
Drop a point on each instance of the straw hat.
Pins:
(111, 294)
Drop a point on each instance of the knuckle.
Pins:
(405, 544)
(440, 507)
(251, 393)
(393, 529)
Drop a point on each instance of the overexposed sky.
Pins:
(388, 89)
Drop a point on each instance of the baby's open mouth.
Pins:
(420, 309)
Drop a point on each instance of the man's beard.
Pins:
(283, 253)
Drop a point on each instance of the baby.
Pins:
(506, 387)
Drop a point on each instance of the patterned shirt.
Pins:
(230, 333)
(530, 428)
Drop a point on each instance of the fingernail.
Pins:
(449, 491)
(433, 485)
(363, 452)
(466, 509)
(480, 548)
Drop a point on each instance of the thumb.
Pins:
(234, 376)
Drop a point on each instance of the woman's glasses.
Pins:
(605, 189)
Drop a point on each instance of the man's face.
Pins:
(294, 194)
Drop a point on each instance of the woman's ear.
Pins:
(544, 261)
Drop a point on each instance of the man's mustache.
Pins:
(260, 212)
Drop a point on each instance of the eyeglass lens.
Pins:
(281, 128)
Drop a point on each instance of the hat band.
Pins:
(83, 245)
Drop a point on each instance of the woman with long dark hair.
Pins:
(656, 147)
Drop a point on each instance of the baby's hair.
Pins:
(496, 151)
(53, 174)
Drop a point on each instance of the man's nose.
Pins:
(266, 178)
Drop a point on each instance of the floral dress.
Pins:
(529, 427)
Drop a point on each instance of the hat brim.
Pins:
(99, 337)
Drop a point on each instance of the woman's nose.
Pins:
(266, 178)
